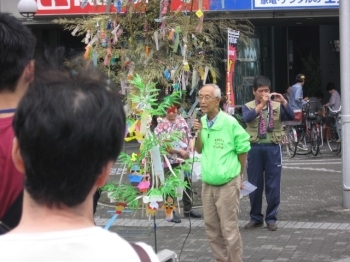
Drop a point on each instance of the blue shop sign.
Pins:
(243, 5)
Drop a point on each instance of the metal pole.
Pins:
(344, 21)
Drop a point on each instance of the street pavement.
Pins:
(312, 224)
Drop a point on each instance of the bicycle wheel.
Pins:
(333, 140)
(291, 141)
(314, 141)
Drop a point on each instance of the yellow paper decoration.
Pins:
(199, 13)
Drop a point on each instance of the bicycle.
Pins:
(333, 133)
(305, 137)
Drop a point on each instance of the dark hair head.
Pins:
(330, 86)
(68, 126)
(260, 81)
(16, 50)
(300, 78)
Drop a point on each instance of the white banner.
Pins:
(295, 3)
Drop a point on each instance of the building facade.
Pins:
(290, 37)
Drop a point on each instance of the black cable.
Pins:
(190, 180)
(155, 233)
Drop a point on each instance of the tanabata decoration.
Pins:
(149, 51)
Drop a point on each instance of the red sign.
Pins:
(185, 5)
(232, 38)
(74, 7)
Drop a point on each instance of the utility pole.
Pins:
(344, 21)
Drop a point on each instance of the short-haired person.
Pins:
(334, 101)
(297, 99)
(264, 125)
(16, 72)
(69, 130)
(223, 144)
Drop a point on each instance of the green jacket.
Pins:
(222, 144)
(252, 127)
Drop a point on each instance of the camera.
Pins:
(271, 97)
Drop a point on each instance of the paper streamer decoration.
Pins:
(158, 170)
(75, 31)
(144, 122)
(87, 37)
(94, 58)
(206, 71)
(155, 34)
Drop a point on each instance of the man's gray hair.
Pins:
(217, 90)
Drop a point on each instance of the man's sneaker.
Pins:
(272, 226)
(193, 214)
(302, 147)
(252, 225)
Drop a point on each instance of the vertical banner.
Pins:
(232, 39)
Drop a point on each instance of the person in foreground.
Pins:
(69, 130)
(223, 144)
(264, 117)
(16, 72)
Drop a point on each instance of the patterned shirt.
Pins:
(334, 101)
(166, 127)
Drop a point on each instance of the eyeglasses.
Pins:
(204, 98)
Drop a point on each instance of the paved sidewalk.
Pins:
(312, 225)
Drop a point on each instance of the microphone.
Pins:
(198, 117)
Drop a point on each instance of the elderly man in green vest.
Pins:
(223, 144)
(264, 116)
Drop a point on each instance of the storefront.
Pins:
(291, 37)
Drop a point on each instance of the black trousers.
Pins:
(187, 198)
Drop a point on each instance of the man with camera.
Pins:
(264, 116)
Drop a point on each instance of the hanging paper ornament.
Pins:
(87, 37)
(75, 31)
(144, 184)
(94, 58)
(155, 35)
(151, 211)
(102, 35)
(171, 35)
(109, 25)
(177, 41)
(87, 52)
(120, 207)
(186, 66)
(147, 49)
(176, 86)
(167, 74)
(114, 60)
(108, 55)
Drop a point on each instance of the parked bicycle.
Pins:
(304, 137)
(333, 133)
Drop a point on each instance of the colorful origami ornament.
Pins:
(120, 207)
(144, 185)
(169, 207)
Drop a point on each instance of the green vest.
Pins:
(252, 127)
